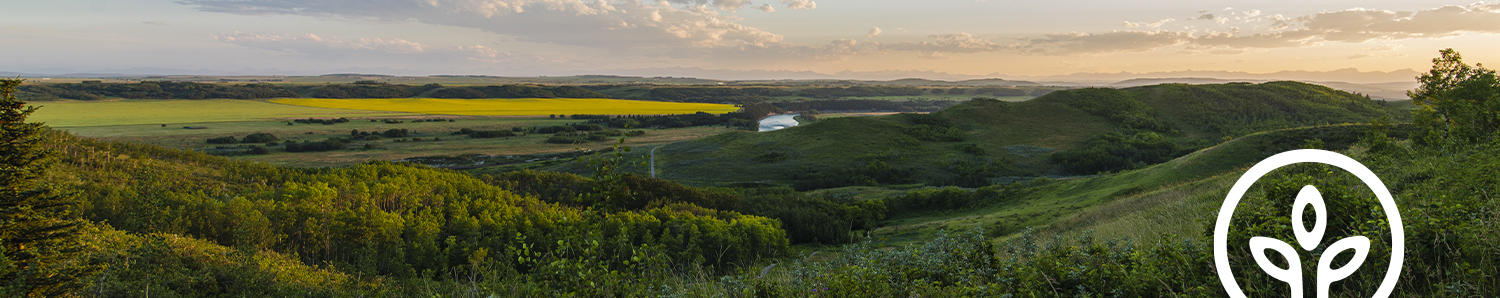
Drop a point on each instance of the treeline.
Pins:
(746, 118)
(382, 90)
(1116, 151)
(151, 90)
(806, 219)
(759, 94)
(360, 89)
(868, 105)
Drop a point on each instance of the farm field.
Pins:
(436, 138)
(512, 107)
(156, 112)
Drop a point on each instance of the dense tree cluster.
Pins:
(516, 91)
(405, 221)
(153, 90)
(1118, 106)
(1117, 151)
(325, 145)
(330, 121)
(366, 89)
(868, 105)
(40, 239)
(859, 91)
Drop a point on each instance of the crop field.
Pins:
(512, 107)
(153, 112)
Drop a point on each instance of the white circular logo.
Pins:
(1308, 238)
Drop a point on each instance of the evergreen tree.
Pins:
(41, 240)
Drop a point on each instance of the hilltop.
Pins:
(973, 142)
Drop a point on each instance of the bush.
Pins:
(258, 150)
(325, 145)
(260, 137)
(396, 133)
(223, 140)
(490, 134)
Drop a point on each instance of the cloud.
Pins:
(766, 8)
(311, 43)
(800, 4)
(155, 23)
(1387, 47)
(946, 43)
(1346, 26)
(873, 32)
(327, 48)
(1099, 43)
(1156, 24)
(588, 23)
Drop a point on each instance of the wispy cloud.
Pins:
(599, 23)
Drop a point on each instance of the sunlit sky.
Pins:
(551, 37)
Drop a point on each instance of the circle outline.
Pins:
(1259, 170)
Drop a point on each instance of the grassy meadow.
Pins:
(512, 106)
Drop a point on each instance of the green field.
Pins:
(436, 138)
(512, 106)
(156, 112)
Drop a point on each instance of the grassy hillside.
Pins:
(1014, 138)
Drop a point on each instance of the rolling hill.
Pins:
(992, 138)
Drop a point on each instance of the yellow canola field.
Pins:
(512, 106)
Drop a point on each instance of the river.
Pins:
(775, 122)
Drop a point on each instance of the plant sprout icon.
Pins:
(1309, 239)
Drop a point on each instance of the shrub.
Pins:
(260, 137)
(396, 133)
(491, 133)
(223, 140)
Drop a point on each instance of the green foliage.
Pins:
(258, 150)
(1117, 151)
(396, 133)
(814, 219)
(155, 90)
(516, 91)
(319, 146)
(1118, 106)
(223, 140)
(40, 238)
(933, 128)
(969, 265)
(403, 221)
(865, 105)
(491, 133)
(952, 198)
(259, 137)
(1460, 104)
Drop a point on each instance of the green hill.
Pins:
(981, 139)
(1105, 203)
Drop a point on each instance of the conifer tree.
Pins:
(41, 241)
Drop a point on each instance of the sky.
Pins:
(1001, 38)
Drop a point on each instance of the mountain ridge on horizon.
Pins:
(1349, 75)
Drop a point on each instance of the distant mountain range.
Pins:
(1377, 84)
